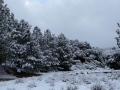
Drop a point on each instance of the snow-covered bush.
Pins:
(115, 76)
(72, 80)
(39, 78)
(94, 54)
(98, 87)
(90, 66)
(19, 81)
(62, 88)
(112, 59)
(51, 80)
(32, 85)
(11, 89)
(64, 51)
(84, 45)
(72, 88)
(111, 86)
(104, 79)
(52, 84)
(64, 77)
(77, 67)
(118, 38)
(85, 79)
(51, 89)
(4, 30)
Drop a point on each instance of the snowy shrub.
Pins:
(52, 83)
(10, 88)
(50, 79)
(98, 87)
(111, 86)
(32, 85)
(86, 80)
(51, 89)
(115, 76)
(112, 58)
(72, 88)
(65, 80)
(32, 78)
(84, 45)
(90, 66)
(64, 77)
(93, 78)
(55, 75)
(62, 88)
(39, 78)
(19, 81)
(104, 79)
(79, 66)
(73, 80)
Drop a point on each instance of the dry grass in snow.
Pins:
(72, 80)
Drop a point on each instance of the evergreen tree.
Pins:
(65, 53)
(4, 31)
(50, 60)
(47, 39)
(118, 38)
(36, 39)
(113, 61)
(35, 49)
(84, 45)
(20, 38)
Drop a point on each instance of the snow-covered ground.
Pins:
(70, 80)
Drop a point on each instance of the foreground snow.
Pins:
(78, 80)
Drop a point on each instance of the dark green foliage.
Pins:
(4, 31)
(84, 45)
(98, 87)
(65, 53)
(3, 53)
(114, 61)
(20, 36)
(118, 38)
(37, 51)
(33, 52)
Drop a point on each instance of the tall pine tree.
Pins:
(65, 53)
(4, 31)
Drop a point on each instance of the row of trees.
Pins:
(37, 51)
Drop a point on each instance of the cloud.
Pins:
(86, 20)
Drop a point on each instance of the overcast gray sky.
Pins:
(94, 21)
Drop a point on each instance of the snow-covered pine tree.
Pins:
(4, 31)
(36, 39)
(78, 54)
(50, 60)
(65, 53)
(118, 38)
(53, 46)
(47, 39)
(113, 60)
(35, 49)
(84, 45)
(51, 55)
(20, 38)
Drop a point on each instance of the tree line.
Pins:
(32, 51)
(36, 51)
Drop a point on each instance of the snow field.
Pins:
(71, 80)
